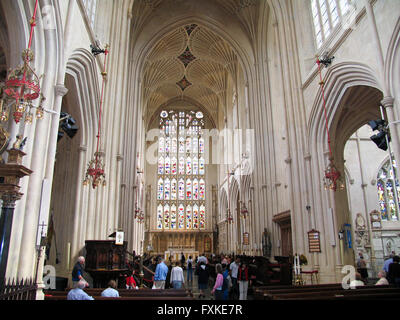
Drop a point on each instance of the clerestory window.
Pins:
(327, 14)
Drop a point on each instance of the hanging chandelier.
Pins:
(229, 217)
(139, 215)
(95, 172)
(22, 87)
(243, 211)
(333, 179)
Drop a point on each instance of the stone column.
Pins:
(388, 103)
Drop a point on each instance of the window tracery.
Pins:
(387, 193)
(326, 16)
(181, 171)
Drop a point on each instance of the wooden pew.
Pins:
(157, 294)
(358, 293)
(260, 291)
(268, 293)
(179, 298)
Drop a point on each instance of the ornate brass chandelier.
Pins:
(243, 211)
(22, 86)
(95, 172)
(333, 179)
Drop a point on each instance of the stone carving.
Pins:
(361, 233)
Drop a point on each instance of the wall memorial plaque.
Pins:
(314, 243)
(245, 238)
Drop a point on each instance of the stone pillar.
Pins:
(388, 103)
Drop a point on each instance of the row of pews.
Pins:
(125, 294)
(332, 291)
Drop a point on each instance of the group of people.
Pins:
(389, 275)
(79, 283)
(231, 276)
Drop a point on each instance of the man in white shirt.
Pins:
(234, 268)
(177, 278)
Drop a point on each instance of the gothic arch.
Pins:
(223, 205)
(392, 62)
(337, 80)
(81, 67)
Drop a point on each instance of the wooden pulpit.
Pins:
(106, 261)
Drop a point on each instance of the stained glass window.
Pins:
(181, 190)
(388, 191)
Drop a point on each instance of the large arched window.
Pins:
(387, 197)
(326, 16)
(181, 171)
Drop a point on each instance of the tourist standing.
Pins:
(77, 271)
(243, 279)
(234, 268)
(203, 275)
(183, 259)
(394, 272)
(219, 281)
(227, 277)
(160, 275)
(189, 269)
(177, 279)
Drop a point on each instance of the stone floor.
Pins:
(193, 285)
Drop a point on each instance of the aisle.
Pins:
(193, 285)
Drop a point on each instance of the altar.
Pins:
(175, 253)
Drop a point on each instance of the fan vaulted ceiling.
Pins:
(190, 63)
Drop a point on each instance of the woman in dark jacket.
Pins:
(393, 275)
(243, 279)
(203, 274)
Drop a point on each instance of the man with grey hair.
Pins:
(77, 271)
(77, 292)
(382, 279)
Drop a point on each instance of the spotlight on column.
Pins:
(68, 124)
(380, 138)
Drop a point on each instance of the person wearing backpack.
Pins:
(189, 269)
(219, 281)
(226, 286)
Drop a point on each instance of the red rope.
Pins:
(323, 98)
(101, 103)
(33, 24)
